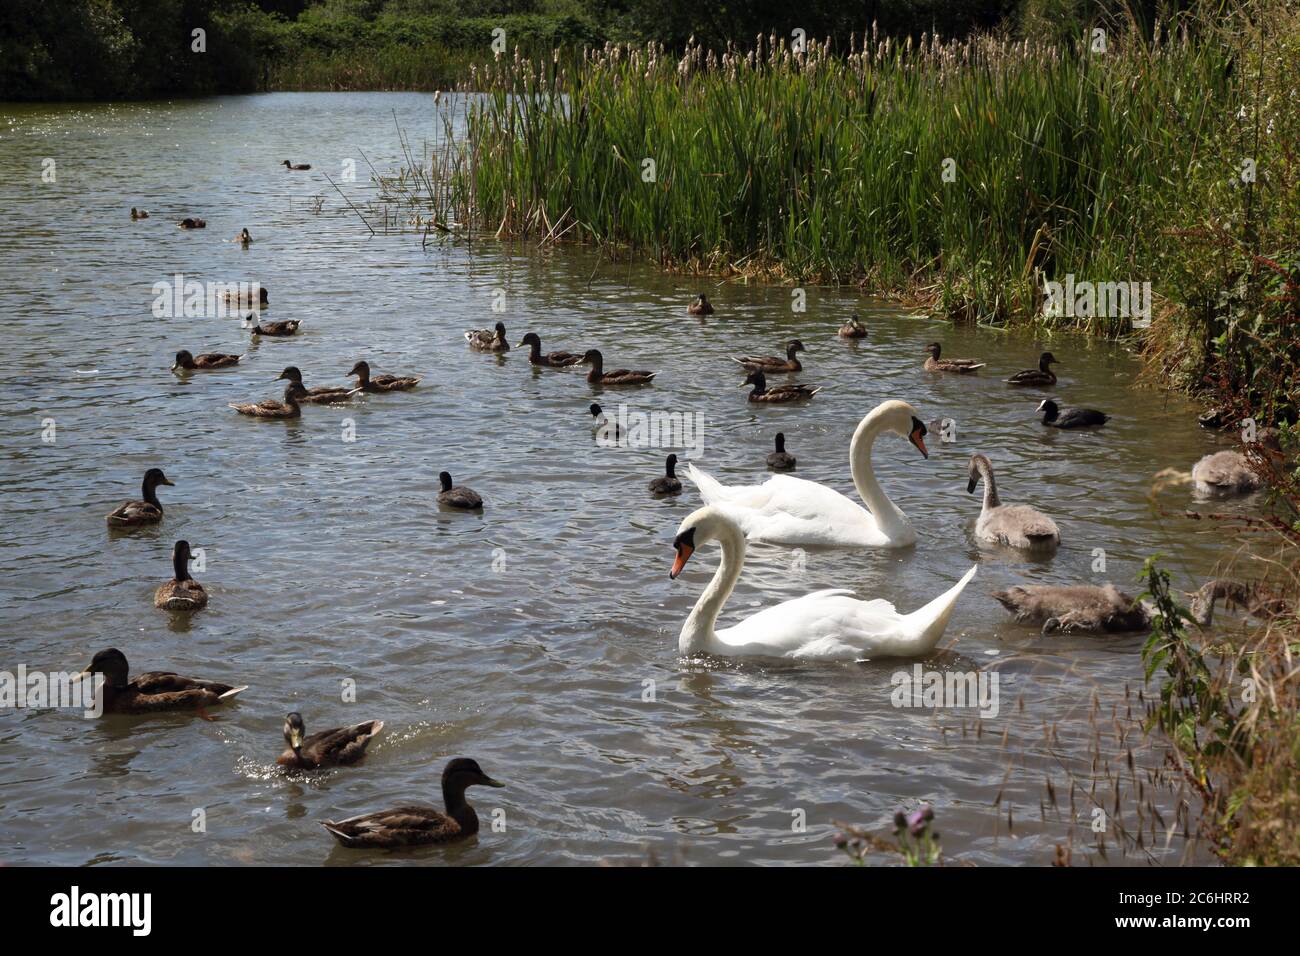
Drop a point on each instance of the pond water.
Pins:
(539, 637)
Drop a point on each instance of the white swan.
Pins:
(794, 511)
(830, 625)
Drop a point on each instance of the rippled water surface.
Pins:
(528, 636)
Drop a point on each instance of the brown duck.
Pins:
(153, 691)
(548, 359)
(774, 363)
(620, 376)
(289, 408)
(336, 747)
(323, 395)
(700, 305)
(1043, 375)
(148, 510)
(192, 222)
(934, 363)
(381, 383)
(488, 340)
(203, 361)
(419, 825)
(778, 394)
(853, 328)
(274, 329)
(182, 592)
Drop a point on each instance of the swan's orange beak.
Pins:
(916, 439)
(684, 552)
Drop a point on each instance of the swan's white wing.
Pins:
(789, 510)
(830, 625)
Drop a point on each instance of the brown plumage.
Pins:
(320, 396)
(139, 213)
(419, 825)
(668, 483)
(148, 510)
(774, 363)
(548, 359)
(336, 747)
(297, 167)
(961, 366)
(289, 408)
(244, 237)
(153, 691)
(245, 298)
(206, 360)
(853, 328)
(275, 329)
(381, 383)
(778, 394)
(488, 340)
(457, 496)
(1043, 375)
(1250, 596)
(780, 460)
(192, 222)
(1070, 608)
(620, 376)
(182, 592)
(700, 305)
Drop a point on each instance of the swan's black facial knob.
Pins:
(917, 436)
(684, 544)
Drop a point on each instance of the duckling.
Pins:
(1070, 608)
(193, 222)
(244, 298)
(935, 364)
(488, 340)
(620, 376)
(457, 496)
(320, 396)
(780, 460)
(1015, 526)
(297, 167)
(548, 359)
(244, 238)
(206, 360)
(181, 593)
(139, 213)
(773, 363)
(276, 330)
(289, 408)
(148, 510)
(668, 483)
(600, 423)
(779, 394)
(381, 383)
(329, 748)
(853, 328)
(153, 691)
(700, 305)
(416, 825)
(1057, 417)
(1252, 597)
(1225, 473)
(1043, 375)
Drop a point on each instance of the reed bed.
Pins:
(825, 166)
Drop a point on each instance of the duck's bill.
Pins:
(970, 486)
(295, 741)
(916, 439)
(684, 553)
(78, 677)
(492, 783)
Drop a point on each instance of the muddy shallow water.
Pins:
(531, 636)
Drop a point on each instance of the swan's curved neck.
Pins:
(697, 633)
(991, 499)
(887, 514)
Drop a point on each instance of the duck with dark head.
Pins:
(153, 691)
(381, 383)
(419, 825)
(185, 362)
(148, 510)
(182, 592)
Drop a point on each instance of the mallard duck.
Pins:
(774, 363)
(1043, 375)
(1225, 473)
(193, 222)
(336, 747)
(778, 394)
(620, 376)
(244, 297)
(414, 825)
(488, 340)
(181, 593)
(320, 396)
(275, 329)
(457, 496)
(547, 359)
(1014, 526)
(1058, 417)
(154, 691)
(935, 364)
(381, 383)
(667, 483)
(780, 460)
(148, 510)
(244, 238)
(206, 360)
(289, 408)
(600, 423)
(139, 213)
(1070, 608)
(853, 328)
(700, 305)
(298, 167)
